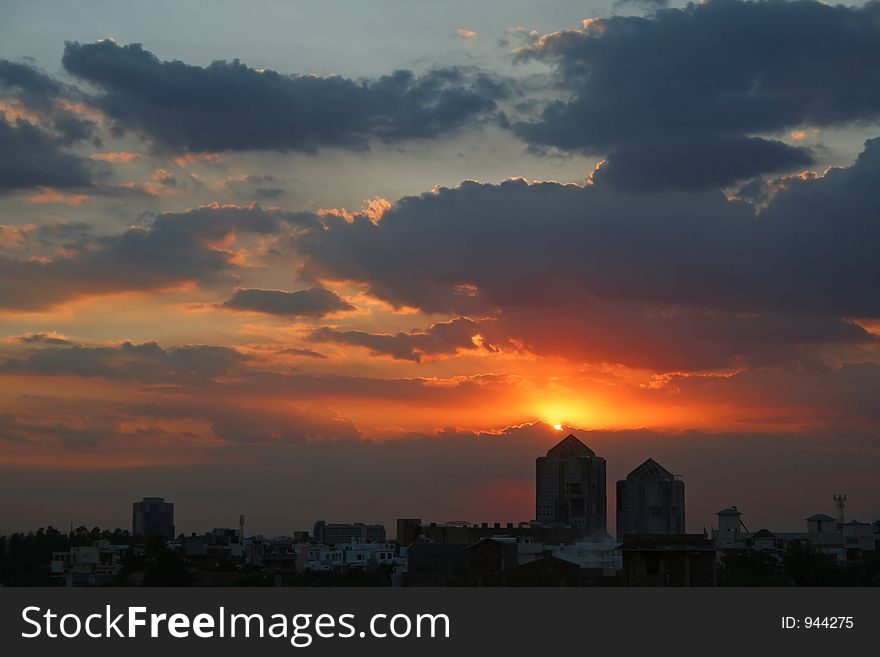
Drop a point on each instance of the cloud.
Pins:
(443, 338)
(671, 279)
(31, 157)
(242, 425)
(45, 101)
(313, 302)
(701, 163)
(117, 157)
(228, 106)
(297, 351)
(481, 246)
(466, 34)
(707, 76)
(66, 435)
(44, 338)
(647, 5)
(146, 362)
(173, 249)
(38, 124)
(818, 395)
(217, 371)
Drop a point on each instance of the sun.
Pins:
(558, 427)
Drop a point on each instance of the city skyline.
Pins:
(653, 502)
(327, 260)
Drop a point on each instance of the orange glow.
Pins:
(49, 195)
(561, 412)
(116, 158)
(190, 158)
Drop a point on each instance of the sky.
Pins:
(358, 261)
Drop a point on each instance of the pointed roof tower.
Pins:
(648, 471)
(570, 447)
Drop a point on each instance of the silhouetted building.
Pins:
(731, 532)
(823, 532)
(413, 530)
(570, 487)
(331, 534)
(673, 560)
(153, 517)
(650, 501)
(859, 539)
(497, 561)
(822, 523)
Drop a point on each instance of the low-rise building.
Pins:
(413, 530)
(668, 560)
(93, 565)
(333, 533)
(355, 554)
(823, 532)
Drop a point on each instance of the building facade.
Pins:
(153, 517)
(333, 533)
(650, 501)
(672, 560)
(570, 487)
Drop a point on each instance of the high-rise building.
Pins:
(152, 517)
(650, 501)
(570, 487)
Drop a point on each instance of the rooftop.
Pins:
(650, 470)
(570, 447)
(668, 543)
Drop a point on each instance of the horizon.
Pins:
(705, 521)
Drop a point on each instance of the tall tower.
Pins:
(840, 503)
(152, 517)
(570, 487)
(650, 501)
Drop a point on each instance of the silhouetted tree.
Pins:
(806, 566)
(751, 568)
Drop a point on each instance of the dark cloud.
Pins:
(672, 274)
(217, 371)
(839, 396)
(665, 338)
(43, 338)
(174, 248)
(147, 362)
(716, 71)
(97, 429)
(34, 146)
(269, 193)
(443, 338)
(647, 5)
(229, 106)
(701, 163)
(313, 302)
(241, 425)
(32, 157)
(45, 99)
(481, 246)
(307, 353)
(33, 84)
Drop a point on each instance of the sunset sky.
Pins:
(353, 260)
